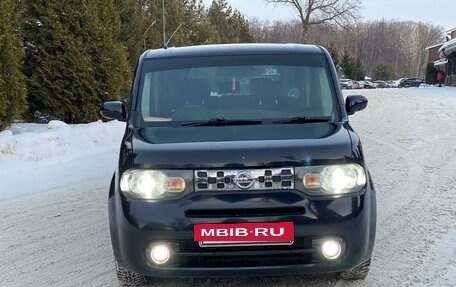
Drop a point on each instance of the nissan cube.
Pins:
(239, 160)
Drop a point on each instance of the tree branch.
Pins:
(317, 12)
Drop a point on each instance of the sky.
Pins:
(443, 14)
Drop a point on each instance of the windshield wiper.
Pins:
(222, 122)
(303, 120)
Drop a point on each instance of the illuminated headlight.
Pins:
(333, 179)
(151, 184)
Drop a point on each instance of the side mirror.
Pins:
(355, 104)
(114, 111)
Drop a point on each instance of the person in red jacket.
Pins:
(440, 77)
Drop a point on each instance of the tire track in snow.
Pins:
(413, 210)
(59, 239)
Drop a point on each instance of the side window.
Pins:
(158, 96)
(307, 91)
(146, 95)
(326, 94)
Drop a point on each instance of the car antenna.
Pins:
(174, 33)
(165, 44)
(145, 32)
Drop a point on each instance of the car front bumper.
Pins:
(136, 224)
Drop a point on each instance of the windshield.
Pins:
(258, 87)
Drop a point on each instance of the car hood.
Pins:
(255, 146)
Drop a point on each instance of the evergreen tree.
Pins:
(219, 13)
(231, 26)
(134, 24)
(189, 21)
(346, 64)
(111, 72)
(142, 25)
(197, 28)
(358, 73)
(350, 67)
(431, 74)
(174, 13)
(332, 50)
(241, 28)
(334, 54)
(12, 87)
(384, 71)
(74, 59)
(138, 16)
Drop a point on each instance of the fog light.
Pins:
(331, 249)
(160, 254)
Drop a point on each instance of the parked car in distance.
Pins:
(360, 84)
(355, 85)
(411, 82)
(346, 84)
(389, 84)
(380, 84)
(397, 82)
(216, 178)
(368, 85)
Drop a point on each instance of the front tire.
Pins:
(358, 272)
(129, 278)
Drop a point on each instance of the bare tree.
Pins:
(425, 35)
(275, 32)
(318, 12)
(399, 44)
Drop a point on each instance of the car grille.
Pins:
(245, 179)
(192, 256)
(244, 212)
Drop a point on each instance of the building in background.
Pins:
(443, 56)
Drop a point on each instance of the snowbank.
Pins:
(36, 157)
(7, 142)
(58, 141)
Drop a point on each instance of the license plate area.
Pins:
(244, 234)
(213, 244)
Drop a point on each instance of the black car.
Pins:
(410, 82)
(239, 160)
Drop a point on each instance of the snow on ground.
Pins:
(55, 154)
(58, 235)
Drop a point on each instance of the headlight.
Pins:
(153, 184)
(331, 180)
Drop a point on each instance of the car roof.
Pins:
(233, 49)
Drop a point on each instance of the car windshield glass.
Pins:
(177, 91)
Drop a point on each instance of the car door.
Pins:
(410, 82)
